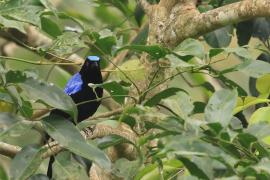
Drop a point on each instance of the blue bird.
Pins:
(82, 94)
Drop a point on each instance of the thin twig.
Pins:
(39, 62)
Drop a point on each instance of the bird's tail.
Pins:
(50, 170)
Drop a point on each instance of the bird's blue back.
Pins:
(74, 85)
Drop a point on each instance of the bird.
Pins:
(85, 96)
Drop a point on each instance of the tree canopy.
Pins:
(187, 89)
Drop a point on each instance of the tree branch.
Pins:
(194, 24)
(8, 149)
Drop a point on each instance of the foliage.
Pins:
(196, 137)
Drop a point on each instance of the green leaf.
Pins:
(112, 140)
(26, 162)
(262, 114)
(263, 85)
(15, 77)
(117, 91)
(69, 137)
(181, 104)
(3, 174)
(246, 139)
(230, 148)
(26, 109)
(220, 37)
(240, 52)
(125, 168)
(24, 13)
(193, 168)
(50, 27)
(231, 84)
(245, 102)
(257, 69)
(170, 168)
(66, 44)
(104, 42)
(133, 68)
(48, 5)
(155, 51)
(9, 23)
(214, 52)
(190, 47)
(199, 107)
(178, 62)
(162, 95)
(67, 168)
(220, 107)
(50, 95)
(12, 126)
(260, 129)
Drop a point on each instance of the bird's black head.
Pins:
(90, 70)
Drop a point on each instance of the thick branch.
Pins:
(194, 24)
(8, 149)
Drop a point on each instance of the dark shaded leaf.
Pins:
(69, 136)
(15, 77)
(50, 95)
(139, 14)
(26, 162)
(117, 91)
(192, 167)
(214, 52)
(50, 27)
(198, 107)
(244, 31)
(246, 139)
(261, 28)
(230, 148)
(26, 109)
(220, 37)
(229, 83)
(104, 42)
(67, 168)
